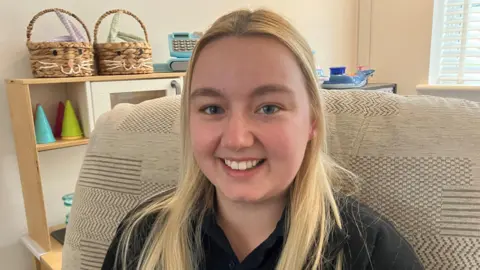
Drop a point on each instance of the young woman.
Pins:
(257, 188)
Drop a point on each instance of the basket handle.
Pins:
(95, 31)
(34, 19)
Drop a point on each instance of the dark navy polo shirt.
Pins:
(368, 240)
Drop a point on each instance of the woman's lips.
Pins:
(247, 173)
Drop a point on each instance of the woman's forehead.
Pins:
(241, 63)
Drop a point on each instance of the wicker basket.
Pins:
(60, 59)
(123, 58)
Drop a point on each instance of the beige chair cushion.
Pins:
(417, 157)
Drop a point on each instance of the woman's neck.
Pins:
(247, 225)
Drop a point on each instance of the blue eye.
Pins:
(212, 110)
(269, 109)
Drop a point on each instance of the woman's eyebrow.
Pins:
(266, 89)
(205, 92)
(261, 90)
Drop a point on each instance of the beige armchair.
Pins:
(418, 159)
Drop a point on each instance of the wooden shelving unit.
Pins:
(54, 258)
(31, 81)
(61, 144)
(46, 250)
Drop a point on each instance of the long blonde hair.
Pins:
(174, 243)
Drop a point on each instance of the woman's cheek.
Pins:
(286, 144)
(203, 134)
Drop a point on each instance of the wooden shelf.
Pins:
(53, 259)
(46, 250)
(97, 78)
(47, 259)
(61, 144)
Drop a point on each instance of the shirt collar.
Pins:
(335, 242)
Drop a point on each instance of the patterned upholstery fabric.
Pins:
(417, 158)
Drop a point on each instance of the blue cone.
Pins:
(43, 131)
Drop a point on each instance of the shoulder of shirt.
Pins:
(149, 219)
(362, 223)
(358, 215)
(140, 233)
(146, 223)
(369, 235)
(359, 218)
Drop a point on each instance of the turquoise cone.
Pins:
(43, 131)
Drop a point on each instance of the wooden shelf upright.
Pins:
(46, 250)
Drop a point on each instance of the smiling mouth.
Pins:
(243, 165)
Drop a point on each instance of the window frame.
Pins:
(436, 41)
(436, 47)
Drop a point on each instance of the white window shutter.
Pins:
(460, 43)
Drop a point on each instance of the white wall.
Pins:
(395, 39)
(328, 25)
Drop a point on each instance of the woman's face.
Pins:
(249, 117)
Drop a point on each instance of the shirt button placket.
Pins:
(231, 265)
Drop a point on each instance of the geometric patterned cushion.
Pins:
(418, 160)
(416, 157)
(132, 154)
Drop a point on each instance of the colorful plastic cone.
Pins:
(70, 128)
(43, 131)
(59, 122)
(35, 112)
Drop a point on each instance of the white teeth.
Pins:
(241, 165)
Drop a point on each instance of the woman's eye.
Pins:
(212, 110)
(269, 109)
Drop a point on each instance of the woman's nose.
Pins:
(237, 134)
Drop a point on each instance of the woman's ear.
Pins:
(313, 130)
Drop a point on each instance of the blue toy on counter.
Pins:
(181, 45)
(339, 80)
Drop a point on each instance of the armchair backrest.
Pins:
(417, 158)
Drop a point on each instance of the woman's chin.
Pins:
(244, 197)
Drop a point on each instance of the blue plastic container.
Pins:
(67, 202)
(337, 70)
